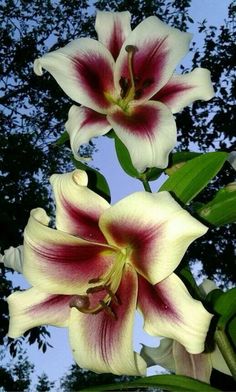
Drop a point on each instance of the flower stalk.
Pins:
(226, 349)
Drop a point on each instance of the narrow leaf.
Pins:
(62, 139)
(225, 304)
(222, 209)
(124, 158)
(166, 382)
(190, 179)
(178, 159)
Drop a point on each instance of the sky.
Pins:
(56, 361)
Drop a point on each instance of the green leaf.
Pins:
(124, 158)
(190, 179)
(187, 277)
(152, 174)
(224, 304)
(178, 159)
(62, 139)
(166, 382)
(126, 163)
(222, 209)
(96, 181)
(232, 331)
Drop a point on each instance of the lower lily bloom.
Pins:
(99, 265)
(173, 356)
(126, 81)
(13, 258)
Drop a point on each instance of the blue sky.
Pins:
(57, 360)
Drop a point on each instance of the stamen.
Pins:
(124, 84)
(113, 296)
(94, 280)
(108, 310)
(79, 302)
(95, 289)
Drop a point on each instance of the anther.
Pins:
(95, 289)
(147, 83)
(108, 310)
(124, 84)
(79, 302)
(131, 48)
(94, 280)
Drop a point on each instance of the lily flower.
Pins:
(125, 81)
(173, 356)
(13, 258)
(99, 265)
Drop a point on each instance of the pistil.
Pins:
(130, 49)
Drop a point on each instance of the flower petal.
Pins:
(57, 262)
(102, 343)
(170, 311)
(159, 48)
(148, 131)
(154, 229)
(77, 208)
(182, 90)
(82, 125)
(161, 355)
(197, 366)
(31, 308)
(84, 70)
(112, 29)
(13, 258)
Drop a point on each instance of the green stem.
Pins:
(146, 185)
(226, 350)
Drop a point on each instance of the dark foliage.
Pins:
(77, 379)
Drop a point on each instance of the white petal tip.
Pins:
(38, 70)
(40, 215)
(80, 177)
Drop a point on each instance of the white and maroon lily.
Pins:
(99, 265)
(125, 81)
(173, 356)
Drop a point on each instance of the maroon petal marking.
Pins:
(155, 299)
(95, 76)
(113, 28)
(53, 303)
(74, 263)
(138, 239)
(116, 39)
(141, 121)
(170, 92)
(103, 342)
(85, 223)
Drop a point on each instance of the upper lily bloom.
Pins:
(101, 263)
(125, 81)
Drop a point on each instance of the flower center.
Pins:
(102, 295)
(131, 87)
